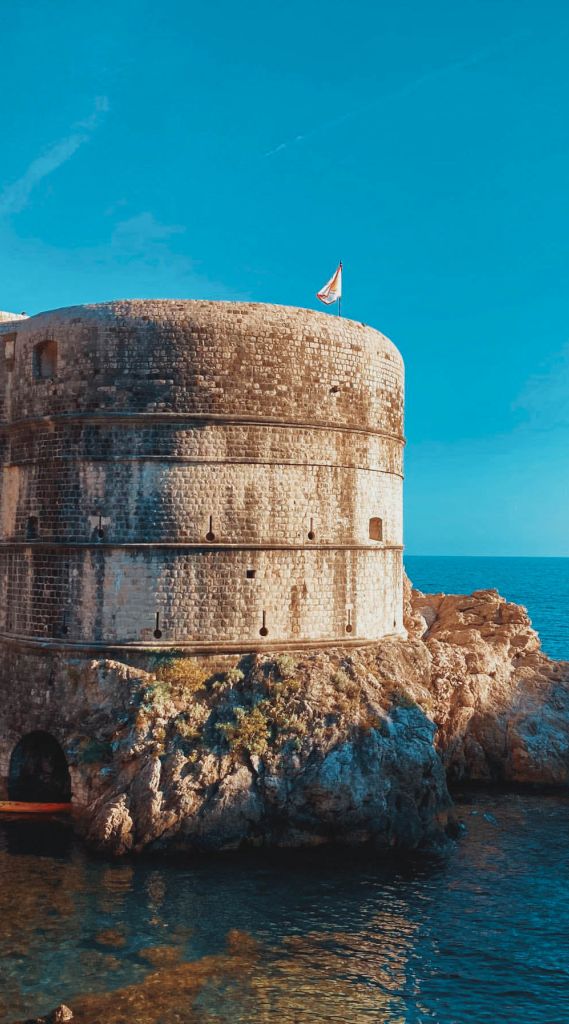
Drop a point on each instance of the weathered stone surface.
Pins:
(343, 745)
(500, 704)
(216, 465)
(317, 750)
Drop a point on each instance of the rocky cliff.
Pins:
(501, 706)
(276, 751)
(340, 745)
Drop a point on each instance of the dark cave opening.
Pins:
(38, 770)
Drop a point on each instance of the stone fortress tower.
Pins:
(206, 476)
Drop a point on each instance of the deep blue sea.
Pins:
(541, 584)
(479, 938)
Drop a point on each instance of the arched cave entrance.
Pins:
(38, 770)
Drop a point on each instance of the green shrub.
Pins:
(234, 676)
(157, 696)
(187, 729)
(250, 732)
(181, 674)
(343, 683)
(284, 665)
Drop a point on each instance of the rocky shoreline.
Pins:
(342, 746)
(339, 746)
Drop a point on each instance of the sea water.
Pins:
(480, 936)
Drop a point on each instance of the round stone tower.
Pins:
(213, 476)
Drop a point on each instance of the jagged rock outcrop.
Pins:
(500, 704)
(279, 751)
(341, 745)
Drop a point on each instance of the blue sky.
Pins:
(238, 151)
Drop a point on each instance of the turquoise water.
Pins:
(541, 584)
(480, 937)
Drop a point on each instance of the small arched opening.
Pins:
(38, 770)
(376, 528)
(45, 360)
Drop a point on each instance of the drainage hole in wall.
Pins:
(251, 573)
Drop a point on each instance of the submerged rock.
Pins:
(61, 1015)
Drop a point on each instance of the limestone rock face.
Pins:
(344, 745)
(500, 704)
(282, 752)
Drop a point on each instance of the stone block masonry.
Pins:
(199, 475)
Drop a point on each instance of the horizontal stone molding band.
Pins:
(188, 461)
(136, 419)
(187, 647)
(18, 545)
(160, 456)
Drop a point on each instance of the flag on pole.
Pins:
(332, 290)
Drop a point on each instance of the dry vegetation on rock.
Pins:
(344, 746)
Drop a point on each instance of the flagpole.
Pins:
(340, 296)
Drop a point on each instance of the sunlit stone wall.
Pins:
(206, 475)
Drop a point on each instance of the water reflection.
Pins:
(482, 937)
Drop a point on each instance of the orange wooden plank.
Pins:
(21, 807)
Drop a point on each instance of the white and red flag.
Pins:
(332, 290)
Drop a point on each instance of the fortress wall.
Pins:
(112, 596)
(162, 414)
(145, 436)
(152, 502)
(211, 358)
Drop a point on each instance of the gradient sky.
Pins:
(237, 151)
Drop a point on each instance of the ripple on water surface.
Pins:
(481, 937)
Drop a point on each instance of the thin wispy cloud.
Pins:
(405, 90)
(15, 196)
(545, 398)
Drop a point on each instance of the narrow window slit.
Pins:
(349, 626)
(157, 630)
(210, 535)
(32, 528)
(311, 533)
(263, 630)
